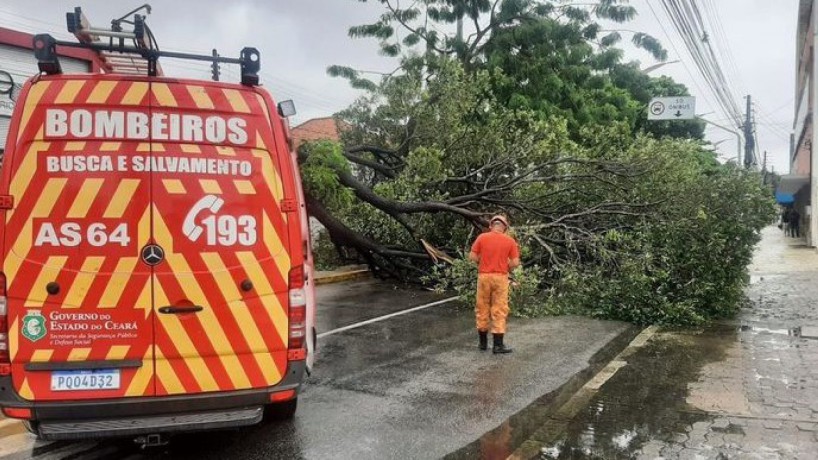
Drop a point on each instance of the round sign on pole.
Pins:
(657, 108)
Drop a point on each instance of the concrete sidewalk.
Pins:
(744, 388)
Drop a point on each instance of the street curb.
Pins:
(338, 277)
(532, 447)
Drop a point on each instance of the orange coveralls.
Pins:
(495, 250)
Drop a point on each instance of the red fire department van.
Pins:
(156, 272)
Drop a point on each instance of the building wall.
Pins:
(17, 64)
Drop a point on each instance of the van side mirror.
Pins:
(286, 108)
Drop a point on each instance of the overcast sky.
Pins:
(298, 39)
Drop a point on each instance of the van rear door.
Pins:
(79, 297)
(220, 292)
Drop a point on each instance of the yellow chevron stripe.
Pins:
(122, 197)
(119, 279)
(270, 174)
(210, 323)
(110, 146)
(230, 290)
(244, 187)
(193, 292)
(228, 151)
(51, 269)
(101, 92)
(163, 95)
(74, 146)
(210, 186)
(32, 102)
(135, 94)
(69, 91)
(174, 186)
(267, 296)
(167, 377)
(142, 377)
(184, 345)
(118, 352)
(25, 390)
(41, 355)
(275, 246)
(200, 97)
(239, 310)
(191, 148)
(85, 198)
(236, 101)
(14, 338)
(145, 299)
(143, 147)
(264, 108)
(25, 239)
(25, 173)
(79, 354)
(144, 232)
(158, 147)
(82, 282)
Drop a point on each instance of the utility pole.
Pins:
(749, 139)
(214, 67)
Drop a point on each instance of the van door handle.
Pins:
(169, 309)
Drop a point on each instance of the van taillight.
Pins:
(297, 312)
(5, 361)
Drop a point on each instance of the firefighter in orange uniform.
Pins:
(496, 254)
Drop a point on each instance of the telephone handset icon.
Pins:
(209, 202)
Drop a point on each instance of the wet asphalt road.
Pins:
(410, 386)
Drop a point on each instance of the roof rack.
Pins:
(141, 58)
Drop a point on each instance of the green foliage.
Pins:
(617, 217)
(319, 172)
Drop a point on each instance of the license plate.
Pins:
(97, 379)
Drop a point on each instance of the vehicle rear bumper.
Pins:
(131, 416)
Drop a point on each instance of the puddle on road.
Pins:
(646, 400)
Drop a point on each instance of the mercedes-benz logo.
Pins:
(153, 254)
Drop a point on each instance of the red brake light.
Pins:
(281, 396)
(296, 277)
(17, 412)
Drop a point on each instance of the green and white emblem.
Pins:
(34, 326)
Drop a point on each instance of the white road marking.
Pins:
(384, 317)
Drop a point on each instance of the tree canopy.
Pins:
(531, 112)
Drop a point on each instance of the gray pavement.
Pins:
(411, 386)
(744, 388)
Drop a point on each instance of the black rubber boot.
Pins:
(484, 339)
(499, 348)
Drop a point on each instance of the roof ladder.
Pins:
(121, 62)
